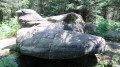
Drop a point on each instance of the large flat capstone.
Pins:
(48, 43)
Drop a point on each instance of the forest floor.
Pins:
(7, 42)
(5, 45)
(111, 54)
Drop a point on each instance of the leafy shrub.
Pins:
(6, 62)
(106, 25)
(116, 59)
(103, 63)
(8, 28)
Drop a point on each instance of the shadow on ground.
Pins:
(29, 61)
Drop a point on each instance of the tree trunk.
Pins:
(40, 7)
(1, 15)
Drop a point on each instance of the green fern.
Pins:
(6, 62)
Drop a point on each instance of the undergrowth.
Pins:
(8, 28)
(6, 62)
(104, 26)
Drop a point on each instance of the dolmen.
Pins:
(55, 37)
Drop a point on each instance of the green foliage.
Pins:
(54, 7)
(105, 26)
(87, 8)
(8, 28)
(103, 63)
(6, 62)
(9, 7)
(116, 59)
(15, 54)
(32, 3)
(114, 3)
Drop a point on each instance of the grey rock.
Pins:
(28, 17)
(70, 21)
(73, 22)
(55, 18)
(90, 28)
(56, 37)
(54, 43)
(115, 35)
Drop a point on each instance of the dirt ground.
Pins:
(111, 54)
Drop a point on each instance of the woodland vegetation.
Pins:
(105, 14)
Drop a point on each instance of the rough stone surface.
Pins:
(55, 38)
(90, 28)
(70, 21)
(115, 35)
(28, 17)
(48, 43)
(73, 22)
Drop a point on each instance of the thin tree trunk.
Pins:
(1, 15)
(40, 7)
